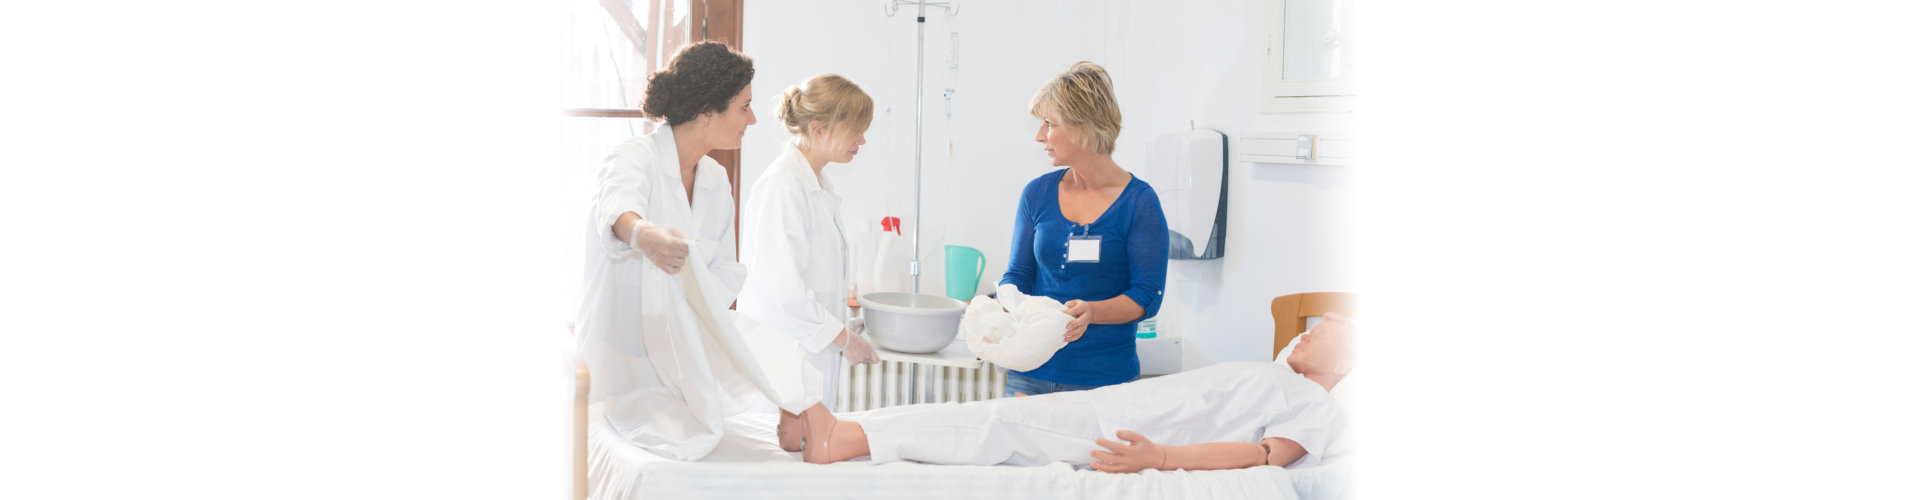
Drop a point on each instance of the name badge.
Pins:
(1083, 248)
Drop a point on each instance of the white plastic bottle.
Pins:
(891, 257)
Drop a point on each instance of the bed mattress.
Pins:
(749, 464)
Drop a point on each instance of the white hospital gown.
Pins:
(1241, 402)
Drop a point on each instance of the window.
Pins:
(612, 45)
(1308, 62)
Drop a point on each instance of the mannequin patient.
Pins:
(1227, 416)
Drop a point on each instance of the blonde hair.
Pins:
(1082, 99)
(829, 99)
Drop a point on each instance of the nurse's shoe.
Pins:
(789, 431)
(817, 426)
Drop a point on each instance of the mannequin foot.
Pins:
(789, 432)
(817, 425)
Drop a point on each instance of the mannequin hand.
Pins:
(663, 245)
(855, 349)
(1082, 312)
(1138, 453)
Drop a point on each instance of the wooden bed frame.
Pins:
(1290, 313)
(571, 360)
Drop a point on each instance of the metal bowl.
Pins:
(910, 322)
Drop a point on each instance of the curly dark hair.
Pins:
(701, 77)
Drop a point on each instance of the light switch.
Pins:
(1303, 147)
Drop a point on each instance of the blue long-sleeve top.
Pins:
(1133, 262)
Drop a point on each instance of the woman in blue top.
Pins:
(1091, 236)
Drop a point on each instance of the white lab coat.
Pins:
(798, 253)
(642, 175)
(627, 298)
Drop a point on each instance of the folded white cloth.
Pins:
(1022, 336)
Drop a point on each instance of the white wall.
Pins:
(1173, 64)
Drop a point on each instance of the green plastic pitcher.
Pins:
(965, 266)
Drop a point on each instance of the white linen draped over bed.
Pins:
(748, 464)
(670, 389)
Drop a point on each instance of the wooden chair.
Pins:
(1290, 313)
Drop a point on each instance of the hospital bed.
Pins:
(749, 464)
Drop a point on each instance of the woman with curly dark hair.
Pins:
(658, 201)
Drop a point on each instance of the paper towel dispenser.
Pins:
(1189, 171)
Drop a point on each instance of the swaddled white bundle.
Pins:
(1022, 337)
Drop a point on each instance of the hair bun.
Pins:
(789, 100)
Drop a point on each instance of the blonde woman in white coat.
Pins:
(656, 198)
(794, 242)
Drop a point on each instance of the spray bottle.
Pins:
(891, 257)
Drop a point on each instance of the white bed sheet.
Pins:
(749, 464)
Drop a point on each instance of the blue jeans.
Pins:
(1032, 386)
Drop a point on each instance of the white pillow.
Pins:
(1288, 350)
(1312, 321)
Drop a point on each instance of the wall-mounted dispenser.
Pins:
(1189, 171)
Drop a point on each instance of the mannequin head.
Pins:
(1325, 354)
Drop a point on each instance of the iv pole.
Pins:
(919, 105)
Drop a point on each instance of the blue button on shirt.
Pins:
(1133, 262)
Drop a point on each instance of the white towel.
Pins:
(1022, 336)
(669, 388)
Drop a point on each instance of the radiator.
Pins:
(866, 387)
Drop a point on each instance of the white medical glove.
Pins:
(663, 245)
(855, 349)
